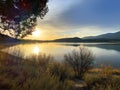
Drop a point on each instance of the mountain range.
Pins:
(74, 39)
(105, 36)
(100, 38)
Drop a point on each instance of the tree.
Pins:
(19, 17)
(81, 61)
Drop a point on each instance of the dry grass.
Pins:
(104, 78)
(42, 72)
(33, 74)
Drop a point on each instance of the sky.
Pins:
(79, 18)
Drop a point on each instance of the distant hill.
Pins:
(5, 38)
(100, 38)
(75, 39)
(113, 36)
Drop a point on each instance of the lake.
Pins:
(105, 53)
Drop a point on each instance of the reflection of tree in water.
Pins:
(20, 50)
(13, 51)
(18, 17)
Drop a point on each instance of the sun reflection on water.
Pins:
(36, 50)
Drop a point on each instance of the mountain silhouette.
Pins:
(106, 36)
(74, 39)
(100, 38)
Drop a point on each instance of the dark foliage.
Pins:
(19, 16)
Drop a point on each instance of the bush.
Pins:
(81, 61)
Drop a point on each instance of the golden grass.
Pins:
(44, 73)
(32, 74)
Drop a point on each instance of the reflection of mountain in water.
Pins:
(107, 46)
(75, 45)
(103, 46)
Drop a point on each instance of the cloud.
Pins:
(93, 12)
(83, 13)
(81, 17)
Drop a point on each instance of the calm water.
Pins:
(108, 54)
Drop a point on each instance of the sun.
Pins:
(36, 33)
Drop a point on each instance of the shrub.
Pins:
(81, 61)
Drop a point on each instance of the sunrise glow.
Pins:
(37, 32)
